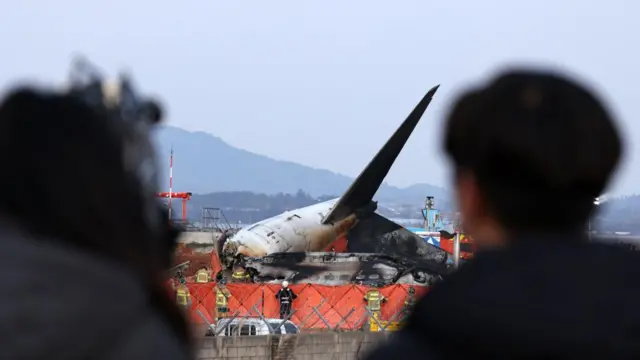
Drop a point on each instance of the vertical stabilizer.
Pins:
(362, 190)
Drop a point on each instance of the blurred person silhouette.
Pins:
(85, 244)
(529, 152)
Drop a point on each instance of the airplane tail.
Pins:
(361, 192)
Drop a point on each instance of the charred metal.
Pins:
(338, 269)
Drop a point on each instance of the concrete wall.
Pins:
(324, 346)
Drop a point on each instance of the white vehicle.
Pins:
(252, 327)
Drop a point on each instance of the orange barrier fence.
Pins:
(340, 307)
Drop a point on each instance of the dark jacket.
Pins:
(547, 297)
(59, 303)
(286, 295)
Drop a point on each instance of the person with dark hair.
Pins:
(529, 153)
(85, 245)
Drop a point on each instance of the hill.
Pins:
(250, 187)
(207, 164)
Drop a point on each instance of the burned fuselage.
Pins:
(299, 230)
(337, 269)
(379, 252)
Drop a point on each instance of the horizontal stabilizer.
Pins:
(362, 190)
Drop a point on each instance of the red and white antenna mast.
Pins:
(185, 196)
(170, 179)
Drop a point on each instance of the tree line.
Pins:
(247, 207)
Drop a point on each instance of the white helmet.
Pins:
(285, 284)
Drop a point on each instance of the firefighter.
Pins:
(239, 275)
(183, 297)
(222, 300)
(374, 301)
(409, 302)
(286, 297)
(202, 276)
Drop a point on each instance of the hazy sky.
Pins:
(325, 82)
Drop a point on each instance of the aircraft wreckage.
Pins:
(300, 245)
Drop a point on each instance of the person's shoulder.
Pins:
(407, 345)
(595, 255)
(559, 257)
(148, 338)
